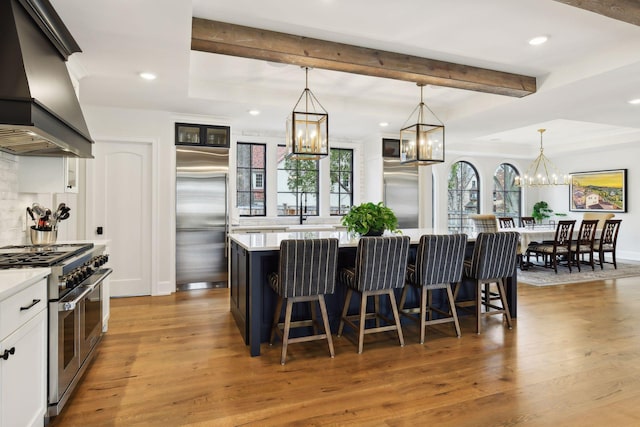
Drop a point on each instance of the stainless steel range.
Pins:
(75, 308)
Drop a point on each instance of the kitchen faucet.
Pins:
(302, 216)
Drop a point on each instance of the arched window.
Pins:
(462, 197)
(507, 196)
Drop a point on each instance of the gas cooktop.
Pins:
(39, 255)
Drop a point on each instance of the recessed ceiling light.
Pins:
(538, 40)
(147, 76)
(254, 112)
(383, 124)
(635, 101)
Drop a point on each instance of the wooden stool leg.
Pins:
(403, 297)
(478, 305)
(363, 314)
(325, 321)
(287, 327)
(423, 313)
(452, 305)
(276, 319)
(376, 309)
(396, 316)
(345, 309)
(503, 298)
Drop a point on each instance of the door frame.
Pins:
(92, 188)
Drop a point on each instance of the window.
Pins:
(506, 195)
(341, 173)
(297, 185)
(251, 179)
(462, 197)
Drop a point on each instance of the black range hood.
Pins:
(39, 111)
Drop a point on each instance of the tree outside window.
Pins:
(297, 185)
(341, 174)
(506, 194)
(462, 197)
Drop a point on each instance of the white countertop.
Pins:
(13, 281)
(271, 241)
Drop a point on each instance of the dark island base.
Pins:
(253, 301)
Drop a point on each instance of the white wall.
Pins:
(612, 157)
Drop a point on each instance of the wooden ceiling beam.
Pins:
(622, 10)
(236, 40)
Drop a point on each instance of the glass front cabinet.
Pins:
(203, 135)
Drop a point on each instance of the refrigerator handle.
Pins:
(226, 216)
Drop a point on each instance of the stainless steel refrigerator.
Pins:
(401, 191)
(201, 217)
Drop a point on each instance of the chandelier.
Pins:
(307, 127)
(423, 141)
(542, 172)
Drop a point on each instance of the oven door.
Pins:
(90, 320)
(64, 345)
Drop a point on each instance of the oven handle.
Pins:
(71, 305)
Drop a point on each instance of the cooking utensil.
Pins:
(38, 210)
(32, 216)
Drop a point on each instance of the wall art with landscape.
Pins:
(601, 191)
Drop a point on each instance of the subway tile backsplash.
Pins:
(11, 207)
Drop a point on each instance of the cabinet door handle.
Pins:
(6, 353)
(35, 301)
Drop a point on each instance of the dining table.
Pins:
(253, 256)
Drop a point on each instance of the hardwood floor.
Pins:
(572, 359)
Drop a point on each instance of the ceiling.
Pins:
(586, 73)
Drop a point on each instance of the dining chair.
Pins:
(527, 221)
(380, 268)
(608, 241)
(306, 272)
(486, 223)
(493, 261)
(439, 264)
(583, 244)
(559, 247)
(506, 222)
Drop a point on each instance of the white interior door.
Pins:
(122, 207)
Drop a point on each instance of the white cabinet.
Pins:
(48, 174)
(23, 348)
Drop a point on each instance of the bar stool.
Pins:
(493, 261)
(439, 263)
(380, 267)
(306, 272)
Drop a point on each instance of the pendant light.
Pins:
(542, 171)
(423, 141)
(307, 127)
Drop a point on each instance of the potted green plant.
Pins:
(542, 211)
(370, 219)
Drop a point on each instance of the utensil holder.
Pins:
(42, 237)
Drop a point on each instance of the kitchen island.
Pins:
(253, 256)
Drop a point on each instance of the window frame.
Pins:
(340, 174)
(464, 223)
(507, 192)
(252, 189)
(288, 212)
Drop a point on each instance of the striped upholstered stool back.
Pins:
(439, 259)
(381, 262)
(307, 267)
(494, 255)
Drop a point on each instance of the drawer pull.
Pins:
(6, 353)
(35, 301)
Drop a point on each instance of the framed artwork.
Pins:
(598, 191)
